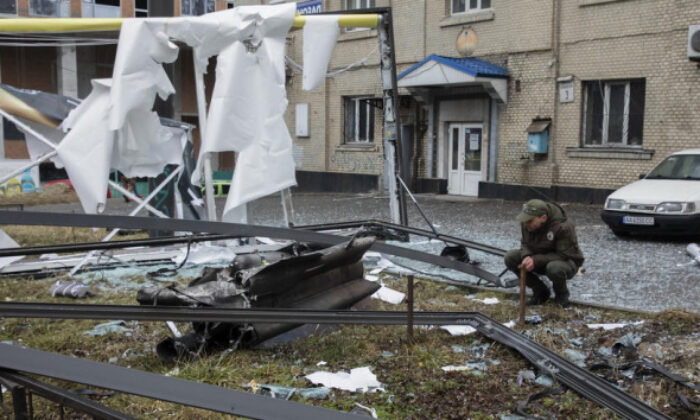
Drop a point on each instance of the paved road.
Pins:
(644, 273)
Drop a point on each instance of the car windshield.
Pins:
(677, 167)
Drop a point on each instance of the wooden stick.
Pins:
(523, 274)
(409, 303)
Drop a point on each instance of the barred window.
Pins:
(613, 112)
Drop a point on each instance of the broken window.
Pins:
(359, 119)
(8, 7)
(461, 6)
(197, 7)
(613, 112)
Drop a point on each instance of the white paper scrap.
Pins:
(608, 327)
(458, 329)
(509, 324)
(488, 301)
(371, 277)
(389, 295)
(453, 368)
(359, 379)
(376, 270)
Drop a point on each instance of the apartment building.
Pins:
(506, 98)
(499, 98)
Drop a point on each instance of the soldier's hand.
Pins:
(528, 263)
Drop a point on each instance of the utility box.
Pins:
(538, 136)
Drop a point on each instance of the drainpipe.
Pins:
(556, 34)
(494, 115)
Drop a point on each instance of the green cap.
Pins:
(532, 209)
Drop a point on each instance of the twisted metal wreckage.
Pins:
(306, 281)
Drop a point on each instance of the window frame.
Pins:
(605, 86)
(366, 136)
(10, 14)
(467, 7)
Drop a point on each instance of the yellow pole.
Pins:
(114, 24)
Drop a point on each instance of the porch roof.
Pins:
(436, 70)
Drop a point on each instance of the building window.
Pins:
(197, 7)
(8, 7)
(461, 6)
(358, 4)
(613, 112)
(359, 119)
(48, 7)
(141, 8)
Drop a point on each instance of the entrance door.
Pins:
(464, 159)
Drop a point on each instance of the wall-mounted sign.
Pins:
(309, 7)
(566, 91)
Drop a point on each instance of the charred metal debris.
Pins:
(306, 282)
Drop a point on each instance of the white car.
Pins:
(666, 201)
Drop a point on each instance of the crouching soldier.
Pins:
(548, 246)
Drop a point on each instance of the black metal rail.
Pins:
(231, 230)
(151, 385)
(62, 397)
(585, 383)
(91, 246)
(406, 229)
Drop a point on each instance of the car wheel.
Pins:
(620, 233)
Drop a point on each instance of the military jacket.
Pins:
(554, 240)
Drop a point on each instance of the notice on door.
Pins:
(474, 142)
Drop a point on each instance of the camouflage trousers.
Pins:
(558, 271)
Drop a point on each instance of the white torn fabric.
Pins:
(36, 147)
(458, 329)
(358, 380)
(608, 327)
(320, 36)
(138, 73)
(6, 241)
(246, 112)
(86, 151)
(91, 149)
(389, 295)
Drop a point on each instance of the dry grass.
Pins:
(53, 194)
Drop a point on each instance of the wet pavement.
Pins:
(636, 273)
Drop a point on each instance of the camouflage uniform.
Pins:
(554, 250)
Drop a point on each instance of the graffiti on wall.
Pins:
(358, 162)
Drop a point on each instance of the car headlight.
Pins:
(670, 207)
(614, 204)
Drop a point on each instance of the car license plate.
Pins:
(638, 220)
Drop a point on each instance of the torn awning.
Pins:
(436, 70)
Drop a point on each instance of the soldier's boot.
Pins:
(540, 291)
(561, 293)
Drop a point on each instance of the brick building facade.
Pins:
(609, 80)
